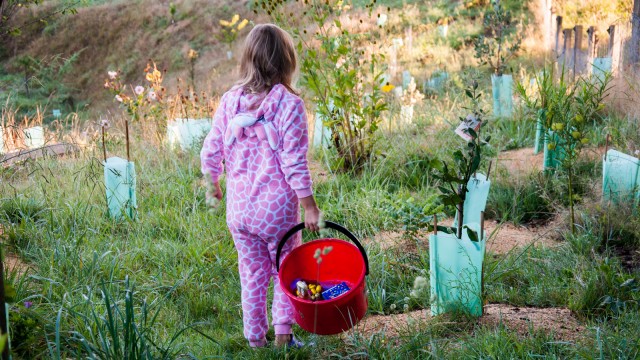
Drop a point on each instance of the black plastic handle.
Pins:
(330, 225)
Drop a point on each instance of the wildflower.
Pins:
(192, 54)
(392, 307)
(420, 285)
(405, 307)
(112, 74)
(118, 98)
(107, 85)
(28, 304)
(104, 123)
(139, 90)
(242, 24)
(235, 19)
(152, 96)
(224, 23)
(387, 88)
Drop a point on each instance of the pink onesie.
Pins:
(267, 172)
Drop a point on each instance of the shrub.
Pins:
(343, 75)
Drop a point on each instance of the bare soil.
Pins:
(522, 320)
(503, 238)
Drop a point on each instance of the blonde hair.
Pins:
(269, 58)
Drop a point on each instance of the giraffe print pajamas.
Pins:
(263, 188)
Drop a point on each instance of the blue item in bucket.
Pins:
(335, 291)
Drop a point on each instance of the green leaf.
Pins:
(473, 236)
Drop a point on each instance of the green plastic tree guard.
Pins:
(552, 158)
(406, 79)
(455, 267)
(437, 81)
(34, 137)
(502, 88)
(120, 182)
(187, 132)
(620, 178)
(475, 201)
(600, 67)
(321, 134)
(539, 136)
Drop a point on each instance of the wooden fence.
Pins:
(582, 49)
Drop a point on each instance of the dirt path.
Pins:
(12, 262)
(503, 238)
(558, 321)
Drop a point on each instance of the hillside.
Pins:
(124, 35)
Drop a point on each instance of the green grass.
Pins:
(179, 259)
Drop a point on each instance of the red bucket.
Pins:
(345, 263)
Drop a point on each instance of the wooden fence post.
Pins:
(577, 50)
(634, 44)
(566, 46)
(558, 31)
(593, 47)
(615, 43)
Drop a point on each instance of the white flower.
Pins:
(152, 95)
(118, 98)
(139, 90)
(420, 285)
(392, 307)
(405, 307)
(340, 62)
(382, 19)
(104, 123)
(112, 74)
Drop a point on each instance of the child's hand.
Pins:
(311, 213)
(213, 194)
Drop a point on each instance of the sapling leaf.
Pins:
(472, 234)
(468, 92)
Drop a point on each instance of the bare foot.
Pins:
(282, 340)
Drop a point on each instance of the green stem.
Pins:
(573, 226)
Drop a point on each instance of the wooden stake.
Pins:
(435, 224)
(606, 147)
(481, 225)
(489, 169)
(126, 130)
(104, 146)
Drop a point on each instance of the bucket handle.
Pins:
(330, 225)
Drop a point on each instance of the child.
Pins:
(260, 130)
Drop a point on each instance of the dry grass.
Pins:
(125, 35)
